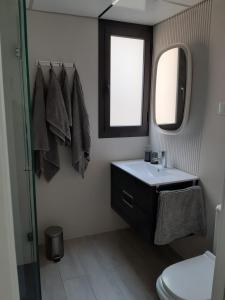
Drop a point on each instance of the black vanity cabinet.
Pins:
(136, 202)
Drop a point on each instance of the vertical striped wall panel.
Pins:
(192, 28)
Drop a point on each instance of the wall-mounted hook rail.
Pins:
(48, 63)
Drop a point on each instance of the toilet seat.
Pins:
(191, 279)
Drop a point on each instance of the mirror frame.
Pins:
(188, 88)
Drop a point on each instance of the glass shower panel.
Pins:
(15, 78)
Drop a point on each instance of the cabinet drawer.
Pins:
(143, 196)
(124, 205)
(123, 180)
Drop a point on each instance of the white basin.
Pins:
(154, 175)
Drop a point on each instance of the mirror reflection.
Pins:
(170, 89)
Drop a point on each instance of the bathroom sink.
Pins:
(154, 174)
(146, 169)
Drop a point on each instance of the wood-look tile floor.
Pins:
(110, 266)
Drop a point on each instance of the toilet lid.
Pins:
(191, 279)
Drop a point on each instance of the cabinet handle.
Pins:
(127, 194)
(127, 198)
(127, 203)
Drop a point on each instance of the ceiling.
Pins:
(148, 12)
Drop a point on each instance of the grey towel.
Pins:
(64, 81)
(44, 144)
(81, 141)
(51, 158)
(180, 213)
(56, 114)
(40, 134)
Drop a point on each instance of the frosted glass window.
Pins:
(125, 52)
(166, 93)
(126, 81)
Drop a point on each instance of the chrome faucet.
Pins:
(163, 159)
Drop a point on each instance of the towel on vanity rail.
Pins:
(39, 126)
(180, 213)
(56, 114)
(81, 141)
(64, 82)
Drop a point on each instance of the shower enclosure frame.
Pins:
(16, 110)
(29, 168)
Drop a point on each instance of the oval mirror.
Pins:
(172, 89)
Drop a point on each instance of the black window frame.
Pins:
(107, 28)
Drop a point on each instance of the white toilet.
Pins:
(191, 279)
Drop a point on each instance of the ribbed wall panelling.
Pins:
(192, 28)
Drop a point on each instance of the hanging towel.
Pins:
(51, 158)
(40, 134)
(56, 114)
(46, 157)
(64, 81)
(81, 141)
(180, 213)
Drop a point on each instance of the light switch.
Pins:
(221, 108)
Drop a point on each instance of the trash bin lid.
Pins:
(53, 231)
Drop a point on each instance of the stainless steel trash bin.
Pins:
(54, 243)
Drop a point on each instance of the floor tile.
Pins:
(78, 289)
(110, 266)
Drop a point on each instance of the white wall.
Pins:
(203, 148)
(192, 28)
(213, 150)
(8, 271)
(184, 150)
(8, 266)
(82, 207)
(212, 163)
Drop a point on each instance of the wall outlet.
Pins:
(221, 108)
